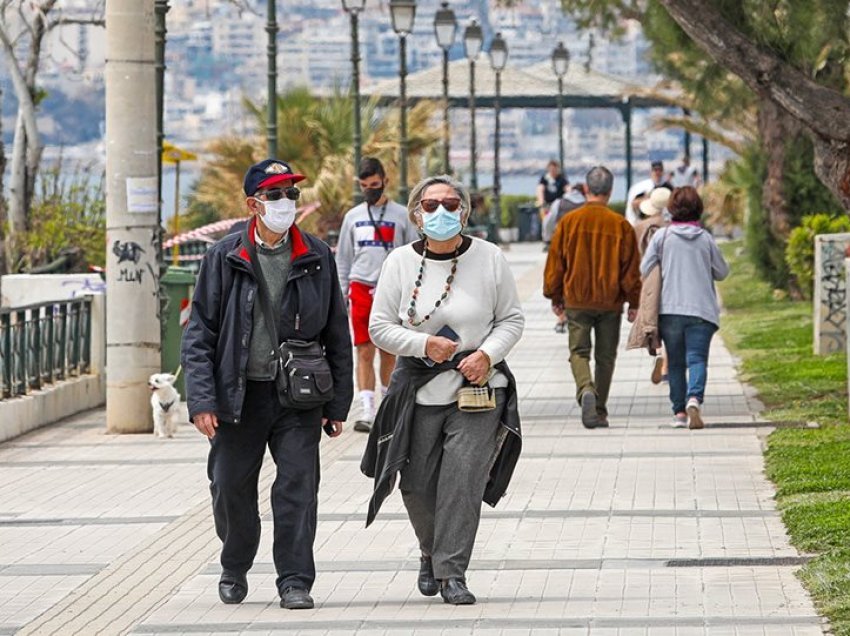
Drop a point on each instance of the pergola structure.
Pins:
(532, 87)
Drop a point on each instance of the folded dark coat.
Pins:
(388, 448)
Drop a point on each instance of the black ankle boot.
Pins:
(454, 591)
(427, 583)
(232, 587)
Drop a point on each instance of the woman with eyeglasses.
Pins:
(447, 305)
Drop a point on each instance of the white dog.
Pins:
(165, 402)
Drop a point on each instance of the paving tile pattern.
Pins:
(637, 529)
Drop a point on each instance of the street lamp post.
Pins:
(160, 8)
(403, 13)
(271, 50)
(560, 63)
(473, 37)
(498, 60)
(445, 28)
(353, 9)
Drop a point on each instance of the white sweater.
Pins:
(483, 308)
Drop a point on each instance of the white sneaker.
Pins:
(694, 414)
(679, 421)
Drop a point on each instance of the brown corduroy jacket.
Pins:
(593, 261)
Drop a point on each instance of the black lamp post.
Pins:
(473, 37)
(445, 28)
(498, 60)
(271, 50)
(560, 63)
(403, 13)
(353, 9)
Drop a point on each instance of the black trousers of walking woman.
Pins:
(233, 467)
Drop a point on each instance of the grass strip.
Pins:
(772, 337)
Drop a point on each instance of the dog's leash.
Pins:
(178, 372)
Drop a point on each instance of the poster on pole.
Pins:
(142, 195)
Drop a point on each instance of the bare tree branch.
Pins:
(84, 21)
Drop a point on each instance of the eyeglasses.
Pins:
(276, 194)
(430, 205)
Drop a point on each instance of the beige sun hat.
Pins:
(655, 202)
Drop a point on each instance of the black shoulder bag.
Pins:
(303, 375)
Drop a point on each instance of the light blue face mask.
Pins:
(441, 225)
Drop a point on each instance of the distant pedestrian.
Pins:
(641, 190)
(689, 313)
(448, 306)
(370, 231)
(551, 186)
(267, 355)
(686, 175)
(655, 216)
(591, 271)
(573, 198)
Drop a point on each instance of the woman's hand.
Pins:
(439, 349)
(475, 367)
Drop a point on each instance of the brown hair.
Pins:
(685, 204)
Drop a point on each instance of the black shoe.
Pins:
(232, 587)
(362, 426)
(427, 583)
(588, 410)
(601, 421)
(296, 598)
(455, 592)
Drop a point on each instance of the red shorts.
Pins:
(361, 296)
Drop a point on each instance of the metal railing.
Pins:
(44, 343)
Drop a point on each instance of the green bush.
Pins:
(800, 253)
(804, 193)
(510, 204)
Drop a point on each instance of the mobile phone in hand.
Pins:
(328, 428)
(445, 332)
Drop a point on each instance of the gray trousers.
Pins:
(451, 452)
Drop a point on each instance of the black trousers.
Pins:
(236, 455)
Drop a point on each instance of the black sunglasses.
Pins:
(276, 194)
(430, 205)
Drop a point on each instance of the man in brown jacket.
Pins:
(592, 269)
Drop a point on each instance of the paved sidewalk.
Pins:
(637, 529)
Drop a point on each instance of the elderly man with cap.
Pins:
(263, 289)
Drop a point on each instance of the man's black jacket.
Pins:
(388, 448)
(218, 337)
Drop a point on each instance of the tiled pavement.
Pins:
(637, 529)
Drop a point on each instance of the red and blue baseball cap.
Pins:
(267, 173)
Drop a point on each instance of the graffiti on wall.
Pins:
(830, 295)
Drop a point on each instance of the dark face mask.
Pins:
(373, 195)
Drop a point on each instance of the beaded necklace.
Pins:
(411, 311)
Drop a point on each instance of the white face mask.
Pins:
(278, 215)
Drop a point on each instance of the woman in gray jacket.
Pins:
(689, 313)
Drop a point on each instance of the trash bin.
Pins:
(529, 222)
(178, 284)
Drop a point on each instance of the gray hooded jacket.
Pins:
(691, 263)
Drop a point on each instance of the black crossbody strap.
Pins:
(386, 245)
(264, 294)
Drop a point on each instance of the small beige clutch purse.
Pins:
(476, 398)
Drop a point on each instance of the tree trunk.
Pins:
(775, 128)
(823, 111)
(18, 181)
